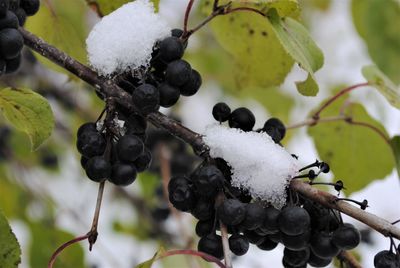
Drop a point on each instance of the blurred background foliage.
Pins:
(45, 195)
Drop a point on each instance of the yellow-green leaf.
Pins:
(296, 40)
(357, 155)
(28, 112)
(10, 251)
(383, 84)
(377, 22)
(62, 24)
(260, 59)
(107, 6)
(308, 87)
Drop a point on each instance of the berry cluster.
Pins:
(168, 77)
(244, 119)
(310, 233)
(112, 153)
(13, 14)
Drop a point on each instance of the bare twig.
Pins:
(93, 230)
(64, 246)
(336, 96)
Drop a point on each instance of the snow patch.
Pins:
(258, 164)
(125, 38)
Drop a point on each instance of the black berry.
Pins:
(221, 112)
(146, 98)
(178, 73)
(242, 118)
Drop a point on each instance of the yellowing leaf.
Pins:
(296, 40)
(10, 251)
(62, 24)
(260, 59)
(29, 112)
(383, 84)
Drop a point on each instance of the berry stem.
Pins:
(64, 246)
(371, 127)
(336, 96)
(92, 235)
(313, 122)
(225, 245)
(186, 19)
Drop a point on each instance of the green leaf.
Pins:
(260, 59)
(106, 6)
(45, 238)
(395, 143)
(383, 84)
(62, 24)
(296, 40)
(10, 251)
(356, 154)
(378, 22)
(308, 87)
(149, 263)
(28, 112)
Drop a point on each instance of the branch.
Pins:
(331, 201)
(109, 88)
(336, 96)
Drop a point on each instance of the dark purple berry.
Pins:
(98, 169)
(242, 118)
(192, 85)
(221, 112)
(146, 98)
(294, 220)
(238, 244)
(212, 245)
(346, 237)
(123, 174)
(231, 212)
(178, 73)
(129, 148)
(143, 162)
(11, 43)
(169, 95)
(171, 48)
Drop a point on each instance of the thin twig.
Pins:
(93, 230)
(225, 245)
(336, 96)
(371, 127)
(313, 122)
(186, 19)
(64, 246)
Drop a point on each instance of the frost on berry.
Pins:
(125, 38)
(258, 164)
